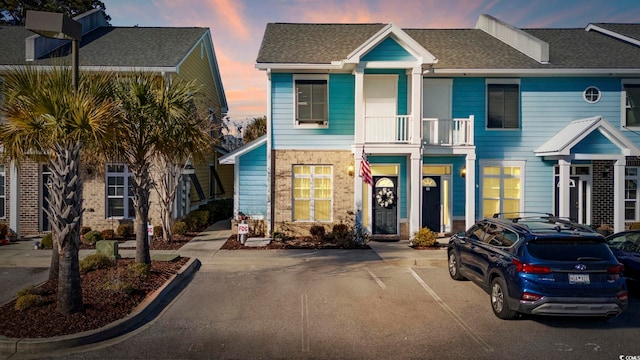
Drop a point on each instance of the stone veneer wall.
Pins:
(343, 189)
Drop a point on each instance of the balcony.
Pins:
(388, 129)
(447, 132)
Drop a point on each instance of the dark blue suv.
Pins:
(539, 265)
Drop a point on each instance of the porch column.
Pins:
(359, 120)
(357, 184)
(416, 101)
(470, 191)
(564, 183)
(618, 194)
(415, 189)
(14, 202)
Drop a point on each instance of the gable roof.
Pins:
(624, 32)
(457, 50)
(564, 140)
(230, 158)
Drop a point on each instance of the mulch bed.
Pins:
(232, 243)
(156, 244)
(101, 306)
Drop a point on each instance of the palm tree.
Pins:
(45, 119)
(149, 104)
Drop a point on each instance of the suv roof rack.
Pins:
(561, 223)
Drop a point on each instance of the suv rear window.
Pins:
(569, 249)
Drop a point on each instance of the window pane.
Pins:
(311, 100)
(301, 188)
(299, 170)
(2, 186)
(322, 210)
(503, 106)
(511, 206)
(633, 104)
(491, 170)
(491, 188)
(630, 210)
(512, 170)
(511, 107)
(301, 210)
(512, 188)
(115, 207)
(490, 207)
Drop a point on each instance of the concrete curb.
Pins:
(143, 313)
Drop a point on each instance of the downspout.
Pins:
(269, 210)
(14, 203)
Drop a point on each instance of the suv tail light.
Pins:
(530, 297)
(623, 296)
(618, 269)
(530, 269)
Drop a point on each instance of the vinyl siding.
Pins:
(546, 106)
(253, 182)
(339, 133)
(388, 50)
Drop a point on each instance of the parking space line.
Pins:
(377, 279)
(485, 346)
(305, 323)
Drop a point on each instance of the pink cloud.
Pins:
(229, 14)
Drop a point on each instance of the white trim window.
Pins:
(502, 185)
(119, 199)
(3, 192)
(631, 103)
(311, 100)
(631, 198)
(503, 104)
(591, 94)
(312, 193)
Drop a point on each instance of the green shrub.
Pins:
(179, 228)
(96, 261)
(119, 285)
(124, 230)
(47, 241)
(84, 230)
(92, 237)
(218, 210)
(29, 290)
(27, 301)
(424, 238)
(139, 270)
(358, 238)
(341, 232)
(157, 232)
(197, 220)
(108, 234)
(317, 232)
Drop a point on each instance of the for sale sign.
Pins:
(243, 228)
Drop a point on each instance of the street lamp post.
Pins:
(57, 26)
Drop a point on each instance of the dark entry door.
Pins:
(431, 202)
(385, 202)
(574, 203)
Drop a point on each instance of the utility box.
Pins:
(108, 248)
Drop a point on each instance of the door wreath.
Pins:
(385, 197)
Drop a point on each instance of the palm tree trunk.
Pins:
(142, 191)
(55, 260)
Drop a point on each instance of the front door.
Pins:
(431, 203)
(385, 205)
(577, 199)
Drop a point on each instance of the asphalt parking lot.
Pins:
(352, 305)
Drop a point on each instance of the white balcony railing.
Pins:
(388, 129)
(447, 132)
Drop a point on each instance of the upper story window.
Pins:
(631, 111)
(503, 105)
(311, 101)
(591, 94)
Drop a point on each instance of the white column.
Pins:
(618, 195)
(14, 203)
(269, 209)
(415, 191)
(357, 181)
(359, 120)
(416, 105)
(470, 191)
(564, 183)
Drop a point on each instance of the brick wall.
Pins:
(343, 189)
(602, 194)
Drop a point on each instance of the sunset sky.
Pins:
(237, 26)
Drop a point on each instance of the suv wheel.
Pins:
(454, 266)
(499, 302)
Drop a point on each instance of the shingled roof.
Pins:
(140, 47)
(454, 48)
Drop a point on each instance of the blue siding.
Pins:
(253, 182)
(595, 143)
(547, 105)
(388, 50)
(403, 181)
(338, 135)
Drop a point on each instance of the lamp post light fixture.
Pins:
(57, 26)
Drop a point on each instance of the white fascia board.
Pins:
(613, 34)
(230, 158)
(390, 64)
(157, 69)
(533, 72)
(290, 66)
